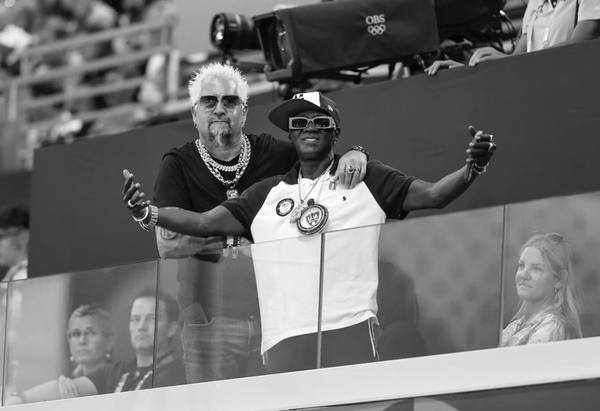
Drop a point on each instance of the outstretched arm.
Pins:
(422, 195)
(174, 245)
(216, 222)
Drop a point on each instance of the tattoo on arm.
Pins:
(167, 234)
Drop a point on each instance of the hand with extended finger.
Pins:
(480, 151)
(142, 210)
(133, 198)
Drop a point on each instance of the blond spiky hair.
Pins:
(217, 70)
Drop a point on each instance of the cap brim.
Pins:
(280, 114)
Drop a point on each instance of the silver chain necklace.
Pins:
(239, 167)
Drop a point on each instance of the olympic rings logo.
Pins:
(376, 30)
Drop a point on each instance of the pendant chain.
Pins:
(313, 186)
(215, 167)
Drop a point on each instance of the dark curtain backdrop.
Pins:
(542, 108)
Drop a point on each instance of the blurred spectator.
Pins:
(137, 374)
(18, 25)
(546, 23)
(545, 285)
(136, 11)
(154, 69)
(14, 241)
(91, 338)
(87, 17)
(39, 22)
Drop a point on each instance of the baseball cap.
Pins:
(313, 100)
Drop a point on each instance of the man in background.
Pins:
(137, 374)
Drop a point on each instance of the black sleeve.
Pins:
(99, 378)
(245, 207)
(171, 188)
(389, 187)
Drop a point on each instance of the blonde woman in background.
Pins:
(545, 285)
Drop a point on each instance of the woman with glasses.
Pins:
(547, 309)
(91, 339)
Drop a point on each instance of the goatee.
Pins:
(222, 137)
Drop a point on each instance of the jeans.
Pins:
(220, 349)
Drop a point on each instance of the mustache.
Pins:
(221, 119)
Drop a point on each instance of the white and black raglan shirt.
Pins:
(287, 262)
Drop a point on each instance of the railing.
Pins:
(20, 122)
(446, 289)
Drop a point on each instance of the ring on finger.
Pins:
(358, 170)
(349, 169)
(129, 204)
(492, 146)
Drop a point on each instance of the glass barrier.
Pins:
(420, 287)
(430, 286)
(3, 312)
(88, 324)
(288, 274)
(572, 227)
(223, 336)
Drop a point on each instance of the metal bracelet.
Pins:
(361, 149)
(142, 218)
(479, 169)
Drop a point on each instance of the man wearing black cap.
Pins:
(283, 214)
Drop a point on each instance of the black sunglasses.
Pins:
(321, 122)
(210, 102)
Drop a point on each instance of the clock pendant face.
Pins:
(313, 219)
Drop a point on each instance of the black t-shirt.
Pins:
(228, 288)
(124, 376)
(121, 373)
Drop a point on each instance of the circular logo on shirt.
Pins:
(284, 207)
(313, 219)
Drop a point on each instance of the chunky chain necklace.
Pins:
(239, 168)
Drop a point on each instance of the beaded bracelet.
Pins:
(361, 149)
(231, 242)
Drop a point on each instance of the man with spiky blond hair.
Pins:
(219, 306)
